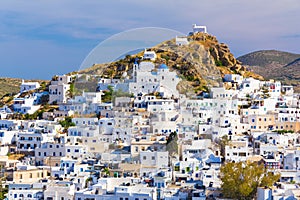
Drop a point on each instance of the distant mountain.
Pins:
(272, 64)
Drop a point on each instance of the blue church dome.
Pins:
(163, 66)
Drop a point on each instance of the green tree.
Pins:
(241, 180)
(106, 171)
(219, 63)
(107, 97)
(71, 91)
(66, 123)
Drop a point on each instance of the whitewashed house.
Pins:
(28, 141)
(288, 90)
(147, 79)
(149, 55)
(49, 152)
(63, 190)
(235, 78)
(27, 86)
(7, 137)
(181, 41)
(250, 85)
(25, 191)
(152, 161)
(26, 105)
(237, 151)
(58, 89)
(274, 87)
(158, 159)
(144, 143)
(85, 121)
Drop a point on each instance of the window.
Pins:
(153, 157)
(144, 157)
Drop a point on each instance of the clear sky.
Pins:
(39, 39)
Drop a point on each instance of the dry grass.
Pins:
(15, 156)
(9, 85)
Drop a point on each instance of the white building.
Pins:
(154, 159)
(160, 105)
(87, 103)
(236, 78)
(181, 41)
(147, 79)
(250, 85)
(6, 137)
(26, 105)
(49, 151)
(63, 190)
(149, 55)
(237, 151)
(199, 29)
(287, 90)
(25, 191)
(59, 88)
(27, 86)
(28, 141)
(273, 87)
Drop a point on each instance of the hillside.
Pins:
(10, 87)
(201, 64)
(273, 64)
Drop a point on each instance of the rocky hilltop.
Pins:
(201, 64)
